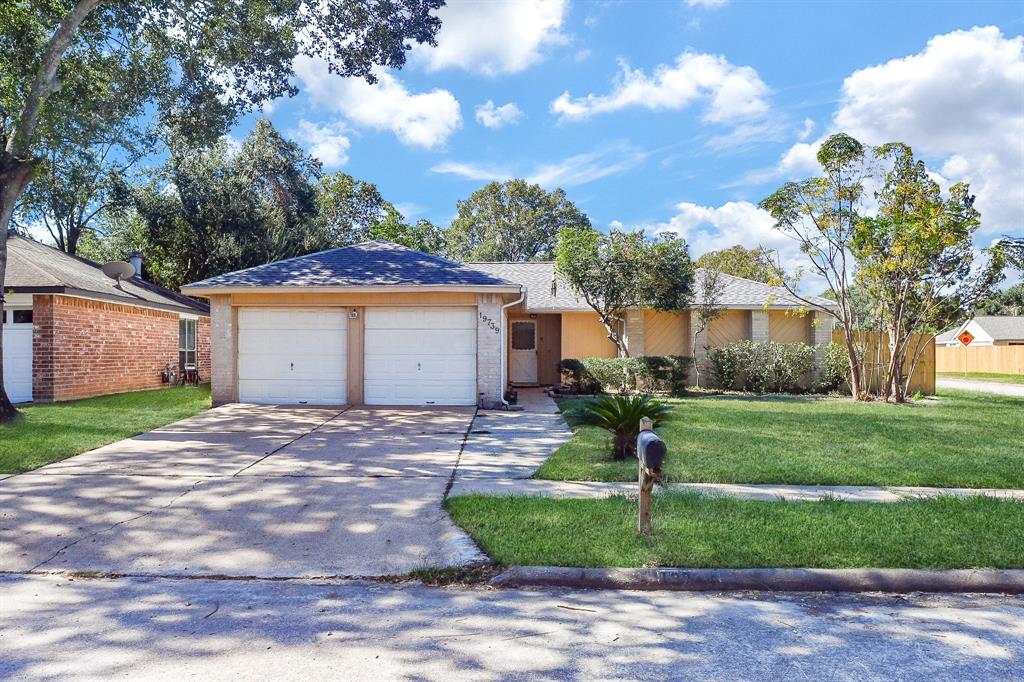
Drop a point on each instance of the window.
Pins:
(186, 344)
(21, 316)
(523, 336)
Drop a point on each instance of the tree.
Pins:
(512, 221)
(621, 270)
(707, 306)
(821, 214)
(1007, 302)
(916, 257)
(205, 64)
(214, 210)
(755, 264)
(422, 236)
(346, 208)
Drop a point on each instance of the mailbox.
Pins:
(650, 450)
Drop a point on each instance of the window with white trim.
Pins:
(186, 343)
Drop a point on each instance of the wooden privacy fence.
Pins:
(994, 359)
(876, 360)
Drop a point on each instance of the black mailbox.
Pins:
(650, 450)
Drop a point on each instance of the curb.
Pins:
(765, 579)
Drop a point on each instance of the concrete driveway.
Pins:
(246, 490)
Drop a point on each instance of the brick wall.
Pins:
(488, 350)
(83, 348)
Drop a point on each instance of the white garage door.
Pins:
(17, 359)
(292, 356)
(420, 356)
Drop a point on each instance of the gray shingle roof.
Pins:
(541, 296)
(35, 267)
(376, 263)
(1002, 327)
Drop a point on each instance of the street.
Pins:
(59, 627)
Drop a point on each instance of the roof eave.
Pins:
(110, 298)
(376, 288)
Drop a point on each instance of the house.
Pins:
(70, 332)
(380, 324)
(985, 330)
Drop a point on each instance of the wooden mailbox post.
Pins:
(650, 453)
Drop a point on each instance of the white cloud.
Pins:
(424, 119)
(573, 171)
(959, 103)
(327, 142)
(472, 171)
(808, 128)
(960, 100)
(732, 93)
(709, 4)
(490, 115)
(495, 37)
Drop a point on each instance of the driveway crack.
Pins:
(113, 526)
(293, 440)
(458, 459)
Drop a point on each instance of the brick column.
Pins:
(635, 340)
(700, 354)
(43, 334)
(821, 334)
(223, 351)
(488, 350)
(759, 326)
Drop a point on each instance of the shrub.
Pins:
(620, 415)
(835, 370)
(769, 367)
(649, 373)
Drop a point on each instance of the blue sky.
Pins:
(677, 115)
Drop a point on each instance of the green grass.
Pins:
(962, 440)
(48, 433)
(984, 376)
(695, 531)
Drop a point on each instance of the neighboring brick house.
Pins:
(70, 332)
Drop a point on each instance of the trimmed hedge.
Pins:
(646, 373)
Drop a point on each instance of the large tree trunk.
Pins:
(14, 177)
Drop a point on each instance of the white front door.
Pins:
(523, 353)
(17, 331)
(420, 356)
(292, 356)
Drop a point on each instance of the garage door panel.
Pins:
(292, 355)
(420, 356)
(18, 362)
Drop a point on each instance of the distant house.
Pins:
(985, 330)
(70, 332)
(380, 324)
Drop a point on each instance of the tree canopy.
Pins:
(620, 270)
(512, 221)
(738, 261)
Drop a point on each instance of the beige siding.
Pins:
(786, 327)
(667, 333)
(583, 336)
(732, 326)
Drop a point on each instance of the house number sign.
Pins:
(490, 323)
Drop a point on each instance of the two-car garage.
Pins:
(410, 355)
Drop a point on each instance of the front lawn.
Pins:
(984, 376)
(48, 433)
(962, 440)
(695, 531)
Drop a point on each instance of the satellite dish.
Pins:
(118, 270)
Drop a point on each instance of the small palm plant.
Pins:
(620, 415)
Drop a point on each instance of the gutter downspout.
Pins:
(504, 343)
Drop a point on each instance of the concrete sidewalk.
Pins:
(769, 492)
(1016, 390)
